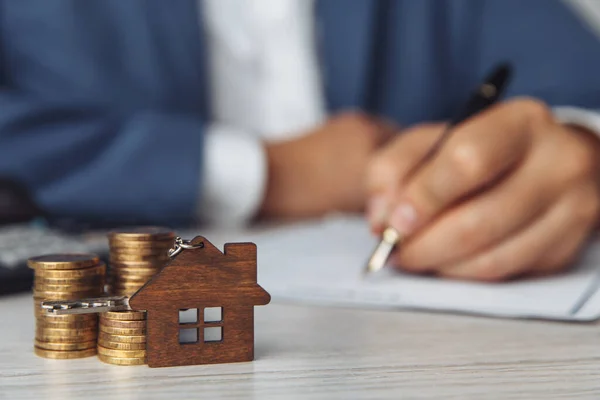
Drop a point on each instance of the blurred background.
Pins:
(231, 112)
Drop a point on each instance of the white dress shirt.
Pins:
(266, 86)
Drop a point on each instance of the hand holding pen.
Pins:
(501, 191)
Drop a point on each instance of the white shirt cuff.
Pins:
(588, 119)
(234, 176)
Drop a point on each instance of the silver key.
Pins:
(86, 306)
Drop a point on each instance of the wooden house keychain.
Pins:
(200, 306)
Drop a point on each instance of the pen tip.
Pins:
(382, 251)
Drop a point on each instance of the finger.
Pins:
(483, 220)
(583, 215)
(391, 165)
(522, 253)
(389, 128)
(478, 153)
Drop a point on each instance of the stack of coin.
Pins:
(122, 337)
(137, 254)
(66, 277)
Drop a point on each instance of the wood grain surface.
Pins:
(332, 353)
(196, 279)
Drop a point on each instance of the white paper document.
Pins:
(322, 262)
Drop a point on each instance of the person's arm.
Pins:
(234, 176)
(79, 160)
(159, 167)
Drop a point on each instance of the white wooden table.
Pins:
(332, 353)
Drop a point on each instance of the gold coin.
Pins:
(128, 284)
(48, 295)
(52, 318)
(66, 332)
(117, 258)
(72, 317)
(156, 251)
(92, 280)
(124, 315)
(130, 279)
(134, 271)
(122, 286)
(141, 234)
(52, 321)
(122, 361)
(37, 306)
(59, 337)
(66, 325)
(122, 331)
(63, 261)
(66, 346)
(80, 280)
(121, 353)
(98, 269)
(41, 288)
(129, 276)
(127, 240)
(109, 337)
(122, 292)
(122, 324)
(130, 245)
(63, 355)
(128, 289)
(121, 346)
(66, 339)
(150, 263)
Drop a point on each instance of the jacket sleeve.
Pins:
(84, 161)
(555, 50)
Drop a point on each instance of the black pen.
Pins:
(484, 96)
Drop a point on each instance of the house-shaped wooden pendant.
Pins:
(200, 307)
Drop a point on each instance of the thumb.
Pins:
(391, 167)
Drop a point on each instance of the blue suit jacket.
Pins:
(103, 102)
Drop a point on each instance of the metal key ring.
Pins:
(181, 245)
